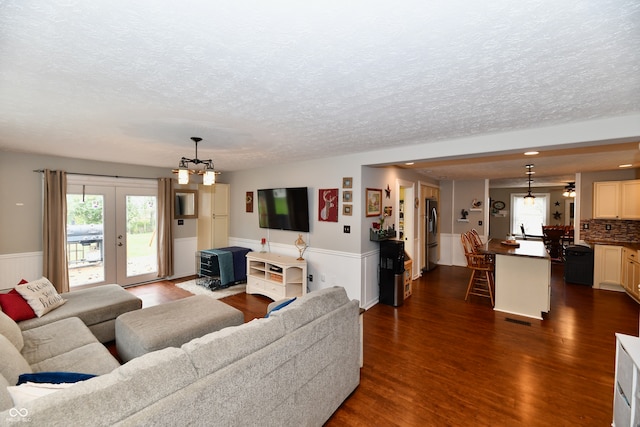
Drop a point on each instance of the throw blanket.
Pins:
(239, 262)
(225, 263)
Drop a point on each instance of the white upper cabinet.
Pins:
(616, 199)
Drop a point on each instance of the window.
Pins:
(531, 216)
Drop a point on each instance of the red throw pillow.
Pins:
(16, 307)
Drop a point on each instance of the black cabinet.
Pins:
(391, 272)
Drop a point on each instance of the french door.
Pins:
(111, 230)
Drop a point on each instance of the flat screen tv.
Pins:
(284, 209)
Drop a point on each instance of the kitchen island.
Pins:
(522, 277)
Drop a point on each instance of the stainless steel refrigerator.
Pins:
(431, 234)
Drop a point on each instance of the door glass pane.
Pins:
(142, 248)
(85, 251)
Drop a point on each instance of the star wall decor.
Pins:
(557, 215)
(388, 191)
(557, 203)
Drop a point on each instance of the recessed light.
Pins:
(531, 153)
(409, 163)
(626, 165)
(530, 172)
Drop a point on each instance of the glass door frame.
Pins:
(114, 191)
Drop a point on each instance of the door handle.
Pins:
(119, 243)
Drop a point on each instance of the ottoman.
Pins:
(171, 324)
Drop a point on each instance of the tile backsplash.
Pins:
(620, 230)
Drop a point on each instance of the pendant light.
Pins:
(207, 171)
(529, 199)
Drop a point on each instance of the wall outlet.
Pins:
(310, 277)
(347, 229)
(585, 226)
(607, 227)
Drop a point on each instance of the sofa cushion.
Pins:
(41, 295)
(12, 363)
(11, 331)
(5, 398)
(312, 306)
(219, 349)
(66, 345)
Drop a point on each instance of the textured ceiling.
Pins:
(267, 81)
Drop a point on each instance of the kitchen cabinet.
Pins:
(431, 193)
(607, 268)
(616, 199)
(631, 272)
(630, 199)
(213, 216)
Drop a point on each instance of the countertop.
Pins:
(634, 246)
(527, 248)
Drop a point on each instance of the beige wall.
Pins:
(21, 193)
(499, 227)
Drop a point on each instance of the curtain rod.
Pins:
(97, 174)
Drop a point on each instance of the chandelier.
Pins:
(529, 199)
(570, 190)
(207, 171)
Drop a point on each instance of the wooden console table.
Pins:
(276, 276)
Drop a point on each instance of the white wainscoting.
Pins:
(184, 257)
(370, 288)
(451, 252)
(328, 268)
(15, 267)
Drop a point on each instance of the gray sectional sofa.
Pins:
(294, 368)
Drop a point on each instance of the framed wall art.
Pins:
(346, 210)
(328, 205)
(347, 196)
(374, 202)
(347, 182)
(249, 201)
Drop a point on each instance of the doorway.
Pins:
(406, 220)
(111, 231)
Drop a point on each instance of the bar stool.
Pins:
(481, 282)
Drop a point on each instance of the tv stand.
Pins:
(276, 276)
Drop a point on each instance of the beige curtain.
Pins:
(54, 230)
(165, 233)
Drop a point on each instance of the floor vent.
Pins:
(519, 322)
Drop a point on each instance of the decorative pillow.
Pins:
(15, 306)
(40, 295)
(53, 377)
(279, 306)
(23, 393)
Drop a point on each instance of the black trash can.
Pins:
(578, 265)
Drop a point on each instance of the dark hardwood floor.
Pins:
(440, 361)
